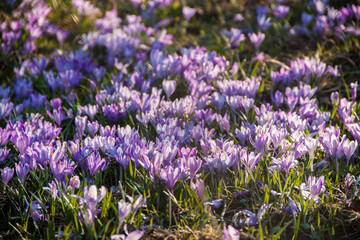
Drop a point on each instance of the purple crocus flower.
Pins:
(238, 18)
(249, 159)
(36, 211)
(75, 182)
(261, 139)
(349, 148)
(252, 219)
(5, 135)
(69, 79)
(23, 88)
(291, 99)
(256, 39)
(170, 175)
(112, 113)
(4, 92)
(90, 200)
(263, 22)
(278, 98)
(292, 208)
(354, 129)
(37, 100)
(6, 174)
(354, 89)
(124, 209)
(80, 124)
(306, 19)
(193, 164)
(249, 220)
(231, 233)
(349, 180)
(281, 11)
(242, 135)
(261, 10)
(313, 189)
(61, 36)
(356, 11)
(247, 103)
(5, 107)
(320, 6)
(199, 188)
(92, 127)
(285, 163)
(215, 203)
(277, 136)
(188, 12)
(52, 189)
(134, 235)
(22, 170)
(169, 88)
(21, 142)
(91, 110)
(60, 168)
(87, 217)
(236, 37)
(3, 154)
(40, 64)
(94, 163)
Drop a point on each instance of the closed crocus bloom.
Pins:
(80, 123)
(3, 154)
(22, 170)
(6, 106)
(55, 103)
(124, 210)
(306, 18)
(218, 100)
(170, 176)
(94, 163)
(91, 110)
(37, 100)
(193, 164)
(349, 148)
(278, 98)
(92, 128)
(21, 142)
(188, 13)
(6, 174)
(169, 87)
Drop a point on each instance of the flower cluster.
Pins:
(122, 109)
